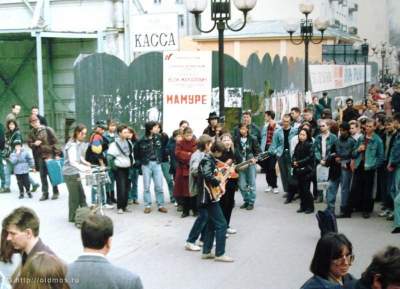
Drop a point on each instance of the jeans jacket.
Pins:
(394, 157)
(264, 131)
(374, 155)
(317, 282)
(330, 141)
(144, 147)
(276, 147)
(344, 148)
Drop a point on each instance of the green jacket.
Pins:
(374, 155)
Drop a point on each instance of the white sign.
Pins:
(187, 89)
(154, 32)
(328, 77)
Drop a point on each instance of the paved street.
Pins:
(273, 247)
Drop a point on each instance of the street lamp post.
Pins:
(220, 15)
(307, 34)
(384, 51)
(364, 47)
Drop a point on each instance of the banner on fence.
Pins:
(328, 77)
(187, 89)
(154, 32)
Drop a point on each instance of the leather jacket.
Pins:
(207, 169)
(304, 156)
(144, 149)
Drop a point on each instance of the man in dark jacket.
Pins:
(22, 227)
(165, 162)
(350, 113)
(148, 154)
(396, 98)
(213, 120)
(382, 273)
(254, 130)
(325, 101)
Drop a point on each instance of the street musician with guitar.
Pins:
(216, 224)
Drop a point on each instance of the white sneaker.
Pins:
(192, 247)
(223, 258)
(276, 191)
(231, 231)
(199, 243)
(207, 256)
(268, 189)
(107, 206)
(120, 211)
(384, 213)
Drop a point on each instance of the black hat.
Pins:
(101, 124)
(212, 115)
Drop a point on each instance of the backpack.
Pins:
(326, 222)
(51, 136)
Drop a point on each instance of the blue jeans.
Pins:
(247, 184)
(165, 166)
(6, 173)
(153, 171)
(199, 226)
(344, 181)
(133, 178)
(216, 227)
(111, 185)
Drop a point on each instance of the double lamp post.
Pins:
(220, 15)
(307, 34)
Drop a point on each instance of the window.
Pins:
(181, 20)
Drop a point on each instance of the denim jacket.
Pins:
(330, 141)
(394, 158)
(344, 148)
(374, 155)
(277, 144)
(317, 282)
(264, 131)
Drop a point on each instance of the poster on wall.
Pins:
(328, 77)
(187, 89)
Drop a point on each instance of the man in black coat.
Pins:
(213, 120)
(3, 189)
(325, 101)
(350, 113)
(396, 98)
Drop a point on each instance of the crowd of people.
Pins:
(314, 151)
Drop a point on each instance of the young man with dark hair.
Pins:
(267, 132)
(382, 273)
(22, 226)
(92, 269)
(204, 142)
(368, 155)
(35, 111)
(309, 117)
(216, 226)
(280, 147)
(340, 170)
(148, 155)
(350, 113)
(254, 130)
(323, 146)
(325, 101)
(295, 114)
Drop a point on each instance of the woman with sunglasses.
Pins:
(331, 263)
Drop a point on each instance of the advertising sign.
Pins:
(187, 89)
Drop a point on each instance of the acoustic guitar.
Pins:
(224, 173)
